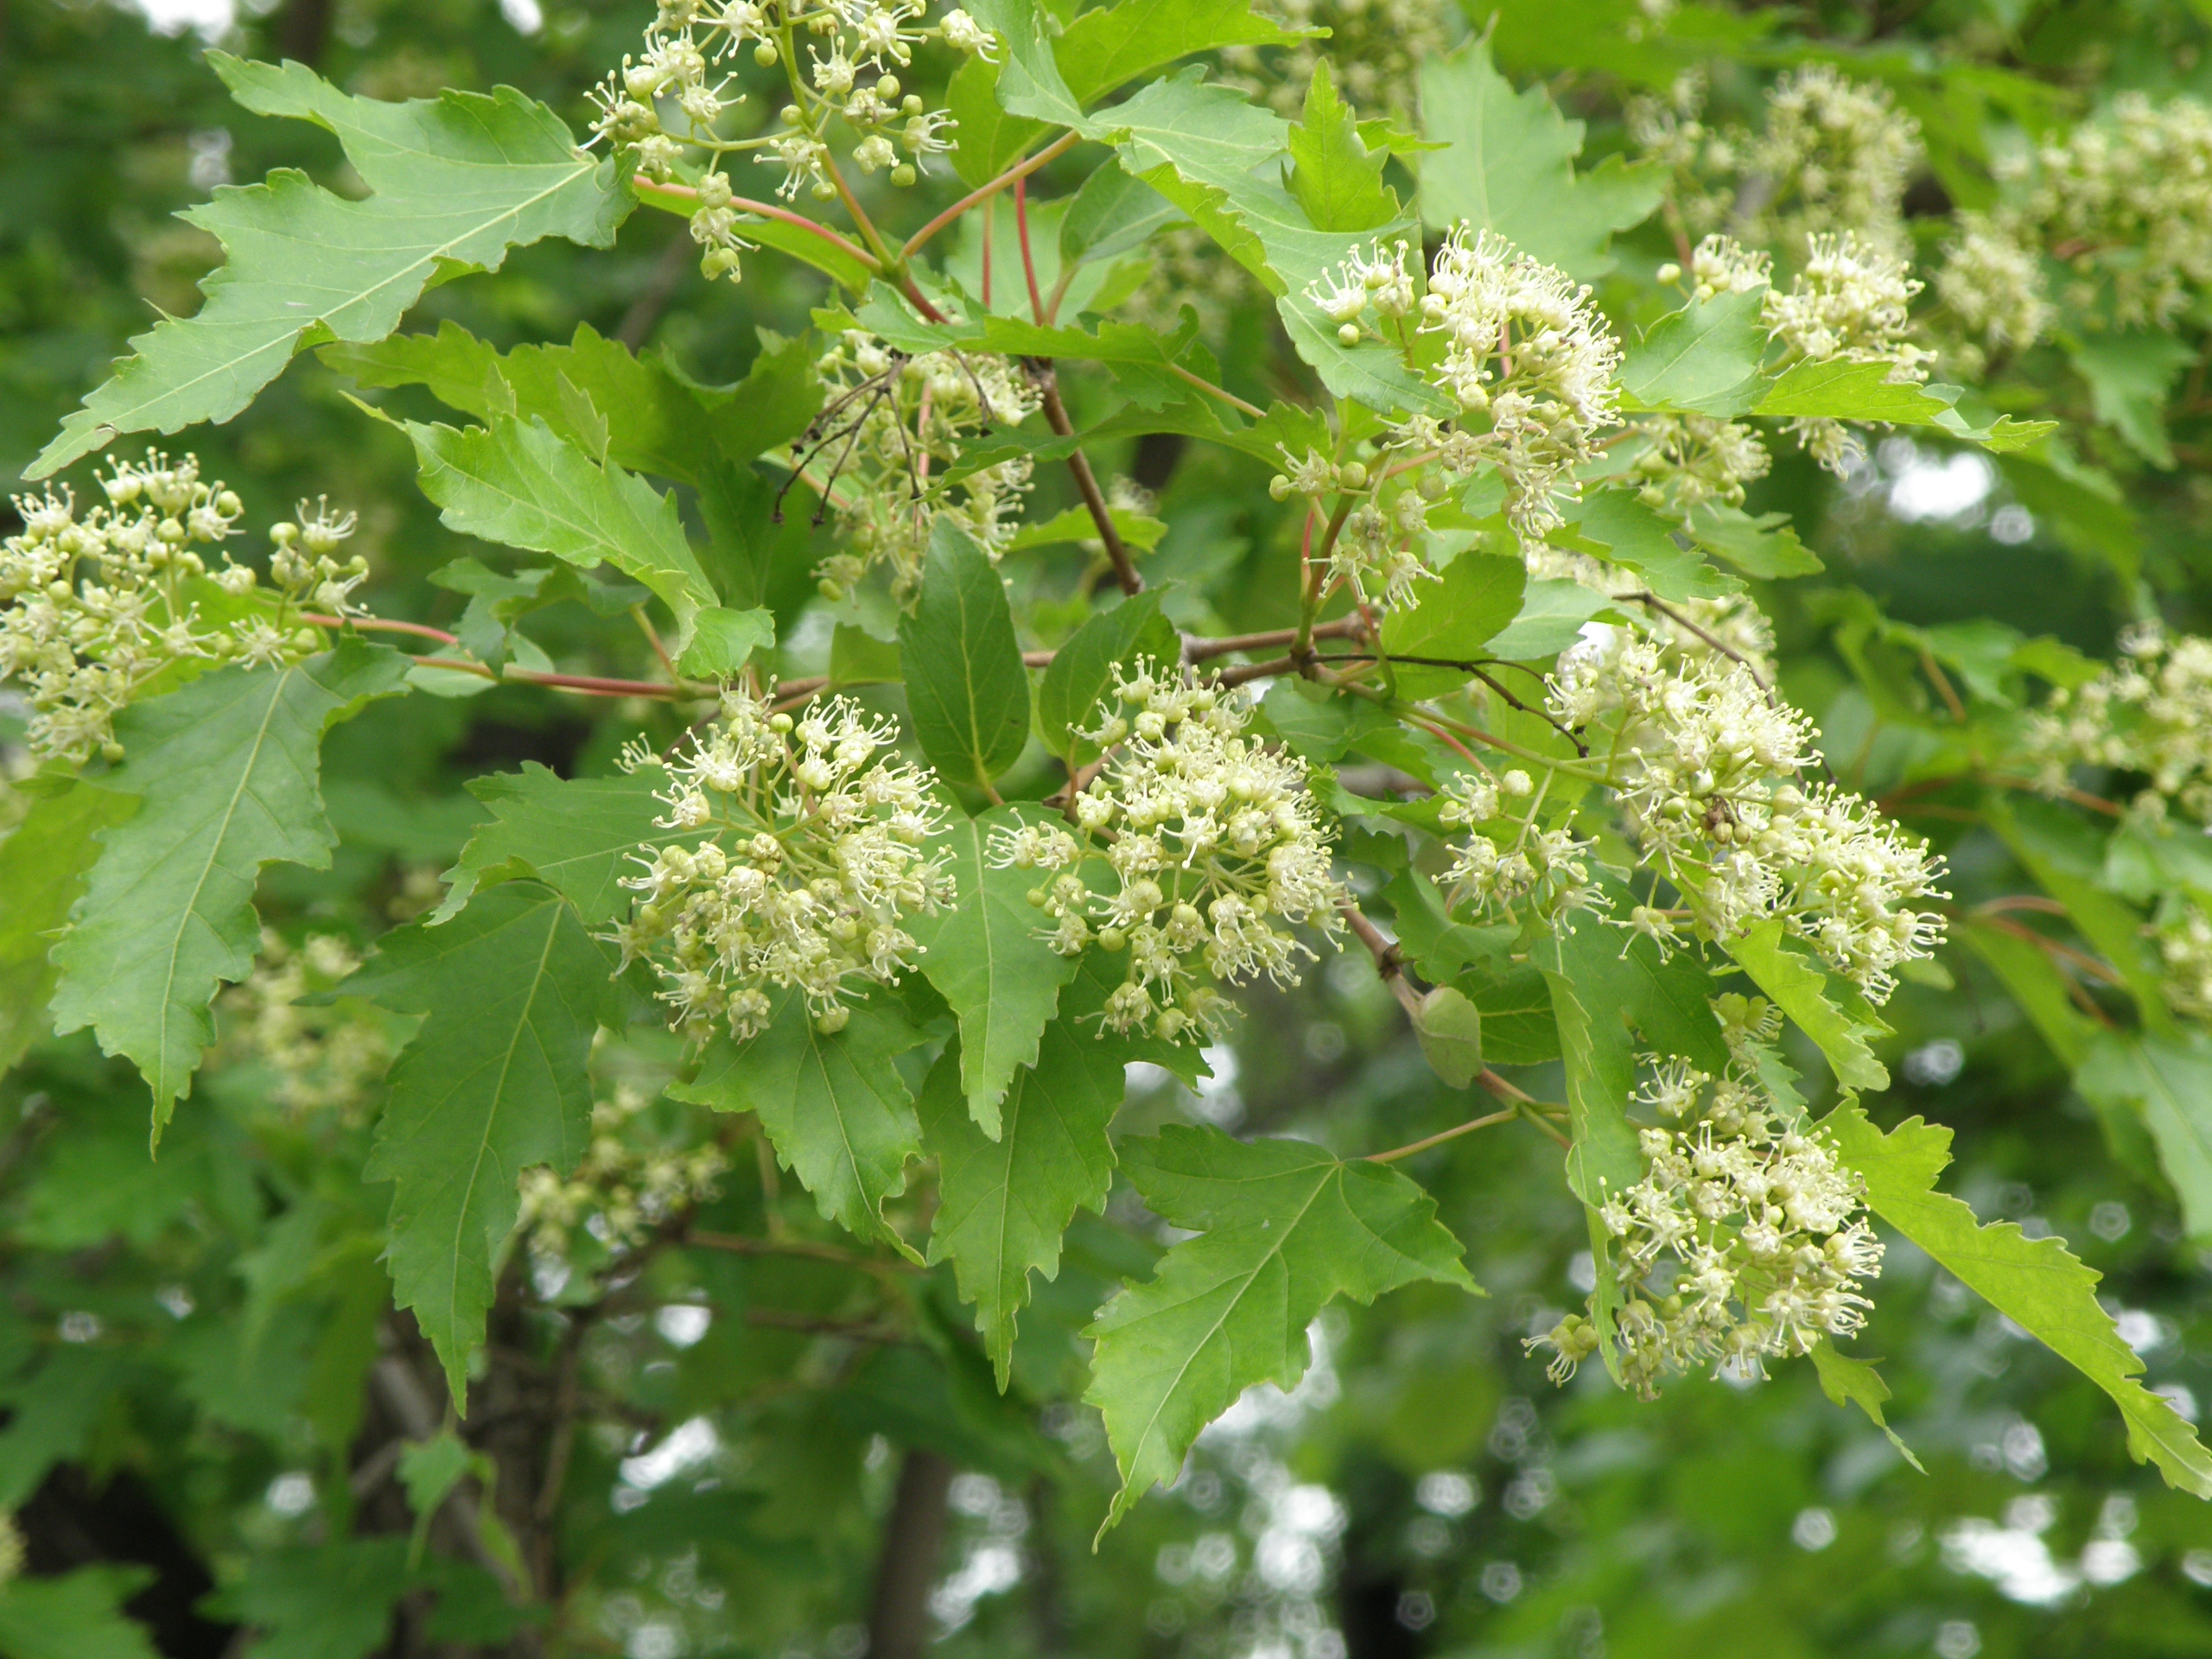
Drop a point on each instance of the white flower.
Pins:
(805, 851)
(1214, 847)
(1708, 768)
(1741, 1243)
(94, 604)
(2150, 713)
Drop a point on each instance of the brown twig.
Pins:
(1056, 416)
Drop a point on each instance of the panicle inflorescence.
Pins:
(2150, 713)
(890, 426)
(1708, 767)
(95, 604)
(2124, 203)
(1527, 358)
(803, 848)
(1694, 460)
(670, 100)
(1212, 843)
(1992, 284)
(1746, 1241)
(324, 1058)
(628, 1182)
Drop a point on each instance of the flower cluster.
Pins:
(323, 1059)
(2151, 713)
(1692, 460)
(890, 423)
(1707, 766)
(1993, 286)
(803, 849)
(1375, 48)
(94, 605)
(1744, 1242)
(1830, 155)
(1527, 358)
(671, 99)
(2184, 941)
(1214, 850)
(621, 1189)
(1509, 865)
(1834, 154)
(1851, 300)
(2125, 203)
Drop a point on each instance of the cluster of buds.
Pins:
(1992, 284)
(1708, 768)
(1375, 549)
(95, 606)
(891, 426)
(628, 1182)
(804, 848)
(1834, 154)
(1830, 155)
(1511, 868)
(1527, 358)
(1374, 48)
(2149, 713)
(1692, 460)
(2184, 936)
(320, 1058)
(670, 101)
(1746, 1241)
(1214, 850)
(2124, 203)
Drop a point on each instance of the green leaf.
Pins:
(1764, 547)
(318, 1601)
(1438, 947)
(2130, 376)
(722, 639)
(1284, 1228)
(78, 1615)
(2168, 1081)
(514, 990)
(455, 182)
(1550, 619)
(1836, 388)
(966, 688)
(43, 867)
(985, 954)
(1003, 1203)
(1336, 181)
(521, 484)
(1112, 213)
(575, 835)
(1848, 1381)
(1211, 151)
(1030, 81)
(226, 770)
(1450, 1030)
(657, 422)
(2067, 858)
(1454, 618)
(839, 1114)
(52, 1413)
(1702, 360)
(2038, 1283)
(2037, 984)
(1082, 670)
(1839, 1024)
(1631, 534)
(1519, 1027)
(1111, 46)
(1508, 166)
